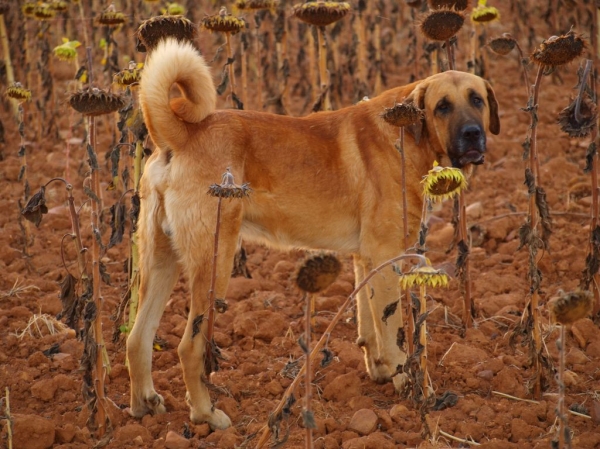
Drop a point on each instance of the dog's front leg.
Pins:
(158, 273)
(380, 333)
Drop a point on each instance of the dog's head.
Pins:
(458, 110)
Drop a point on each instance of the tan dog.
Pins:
(328, 181)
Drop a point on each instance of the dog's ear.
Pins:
(494, 119)
(417, 98)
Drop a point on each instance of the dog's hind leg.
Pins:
(159, 271)
(198, 260)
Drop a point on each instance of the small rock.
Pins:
(131, 431)
(398, 412)
(474, 210)
(342, 388)
(32, 432)
(176, 441)
(486, 374)
(363, 422)
(66, 434)
(44, 389)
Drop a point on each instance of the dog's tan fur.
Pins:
(327, 181)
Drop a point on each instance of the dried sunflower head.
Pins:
(174, 9)
(441, 24)
(318, 272)
(502, 45)
(402, 114)
(580, 124)
(255, 5)
(559, 50)
(17, 92)
(223, 23)
(94, 101)
(27, 8)
(566, 308)
(43, 11)
(129, 76)
(321, 13)
(67, 50)
(153, 30)
(424, 276)
(459, 5)
(414, 3)
(60, 5)
(483, 13)
(228, 188)
(442, 183)
(110, 17)
(4, 7)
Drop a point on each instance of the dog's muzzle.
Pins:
(469, 147)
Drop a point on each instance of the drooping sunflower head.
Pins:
(424, 276)
(129, 76)
(484, 14)
(402, 114)
(110, 17)
(17, 92)
(559, 50)
(174, 9)
(566, 308)
(223, 23)
(228, 188)
(459, 5)
(43, 11)
(153, 30)
(60, 5)
(442, 183)
(502, 45)
(441, 24)
(321, 13)
(67, 50)
(255, 5)
(94, 102)
(318, 272)
(27, 9)
(578, 122)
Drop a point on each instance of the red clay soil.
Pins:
(490, 375)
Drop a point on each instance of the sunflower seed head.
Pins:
(502, 45)
(4, 7)
(43, 11)
(228, 188)
(459, 5)
(256, 5)
(153, 30)
(441, 24)
(321, 13)
(582, 125)
(129, 76)
(484, 14)
(223, 23)
(559, 50)
(318, 272)
(94, 102)
(110, 17)
(17, 92)
(402, 114)
(566, 308)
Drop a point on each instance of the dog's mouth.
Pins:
(475, 157)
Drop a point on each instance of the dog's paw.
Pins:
(153, 404)
(401, 383)
(216, 419)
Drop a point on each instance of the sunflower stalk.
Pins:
(465, 272)
(9, 424)
(266, 429)
(323, 74)
(10, 74)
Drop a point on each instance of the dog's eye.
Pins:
(443, 107)
(477, 101)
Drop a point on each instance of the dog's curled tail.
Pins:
(173, 62)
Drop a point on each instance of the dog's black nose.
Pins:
(471, 133)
